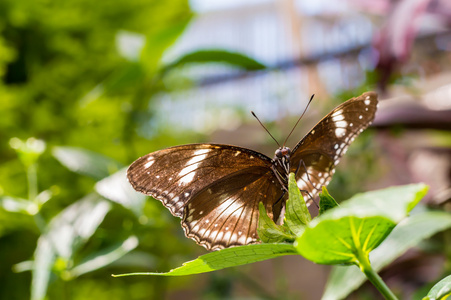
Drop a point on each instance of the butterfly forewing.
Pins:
(214, 188)
(321, 149)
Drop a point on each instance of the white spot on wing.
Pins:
(341, 123)
(187, 173)
(337, 113)
(339, 132)
(149, 163)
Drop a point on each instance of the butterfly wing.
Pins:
(317, 154)
(214, 188)
(226, 213)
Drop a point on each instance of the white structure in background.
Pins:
(263, 30)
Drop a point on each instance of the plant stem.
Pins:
(32, 182)
(374, 278)
(377, 281)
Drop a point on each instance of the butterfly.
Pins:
(216, 189)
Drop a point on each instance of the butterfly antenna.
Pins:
(311, 98)
(265, 128)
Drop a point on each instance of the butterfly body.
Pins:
(216, 188)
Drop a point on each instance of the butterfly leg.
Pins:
(279, 178)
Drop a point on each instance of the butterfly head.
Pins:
(282, 152)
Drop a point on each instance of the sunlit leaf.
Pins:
(337, 241)
(358, 225)
(343, 280)
(86, 162)
(117, 188)
(442, 290)
(326, 201)
(44, 258)
(18, 205)
(270, 232)
(297, 214)
(158, 42)
(105, 257)
(73, 226)
(229, 257)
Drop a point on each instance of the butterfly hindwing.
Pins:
(321, 149)
(226, 213)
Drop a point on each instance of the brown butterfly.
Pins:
(216, 188)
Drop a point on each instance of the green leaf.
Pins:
(234, 59)
(86, 162)
(297, 214)
(104, 257)
(73, 226)
(343, 280)
(44, 258)
(129, 75)
(116, 188)
(226, 258)
(339, 240)
(67, 232)
(157, 44)
(18, 205)
(345, 233)
(326, 201)
(442, 290)
(270, 232)
(393, 203)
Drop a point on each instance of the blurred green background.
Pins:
(87, 87)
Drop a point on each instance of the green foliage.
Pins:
(270, 232)
(326, 201)
(441, 290)
(74, 106)
(226, 258)
(296, 218)
(85, 162)
(297, 215)
(409, 233)
(219, 56)
(359, 225)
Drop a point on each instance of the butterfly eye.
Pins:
(285, 151)
(279, 153)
